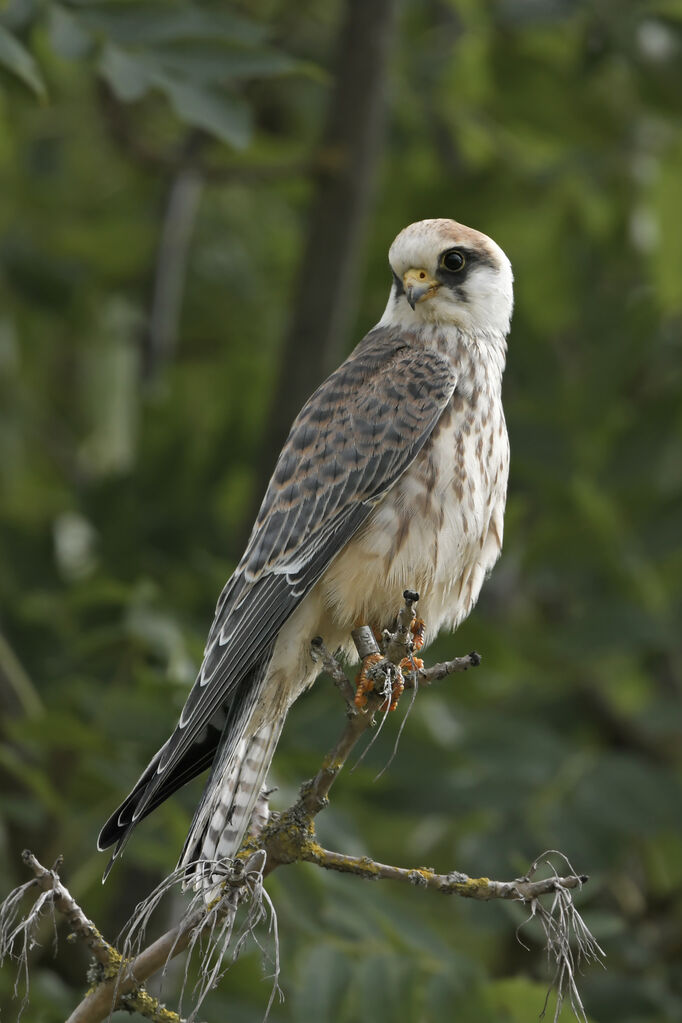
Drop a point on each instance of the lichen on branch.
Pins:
(208, 925)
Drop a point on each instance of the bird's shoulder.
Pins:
(354, 436)
(388, 367)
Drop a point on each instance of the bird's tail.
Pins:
(223, 817)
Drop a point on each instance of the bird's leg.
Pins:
(364, 680)
(418, 630)
(367, 640)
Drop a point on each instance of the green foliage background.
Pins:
(553, 126)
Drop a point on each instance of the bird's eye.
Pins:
(452, 260)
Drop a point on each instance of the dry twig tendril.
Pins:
(208, 926)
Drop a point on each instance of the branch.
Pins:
(438, 672)
(334, 670)
(49, 882)
(288, 837)
(456, 883)
(122, 986)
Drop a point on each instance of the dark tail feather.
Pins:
(152, 788)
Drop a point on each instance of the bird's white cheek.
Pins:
(490, 302)
(444, 308)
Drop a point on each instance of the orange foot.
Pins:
(365, 684)
(410, 664)
(418, 630)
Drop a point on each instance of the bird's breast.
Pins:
(438, 529)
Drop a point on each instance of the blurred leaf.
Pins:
(127, 75)
(667, 254)
(519, 1000)
(203, 63)
(322, 976)
(376, 987)
(15, 58)
(227, 117)
(67, 35)
(32, 780)
(137, 24)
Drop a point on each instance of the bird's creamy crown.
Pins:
(449, 274)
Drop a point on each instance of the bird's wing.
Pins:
(352, 440)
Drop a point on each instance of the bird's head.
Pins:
(445, 273)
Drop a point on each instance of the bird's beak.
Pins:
(418, 286)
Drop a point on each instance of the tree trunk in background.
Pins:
(347, 159)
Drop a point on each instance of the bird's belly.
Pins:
(438, 531)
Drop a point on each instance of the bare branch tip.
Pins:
(208, 924)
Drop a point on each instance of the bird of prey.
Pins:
(394, 476)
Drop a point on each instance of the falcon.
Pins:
(394, 476)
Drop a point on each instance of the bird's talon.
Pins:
(418, 630)
(364, 683)
(410, 664)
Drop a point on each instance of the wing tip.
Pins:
(108, 868)
(117, 836)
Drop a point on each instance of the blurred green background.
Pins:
(165, 168)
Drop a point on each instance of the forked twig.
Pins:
(208, 924)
